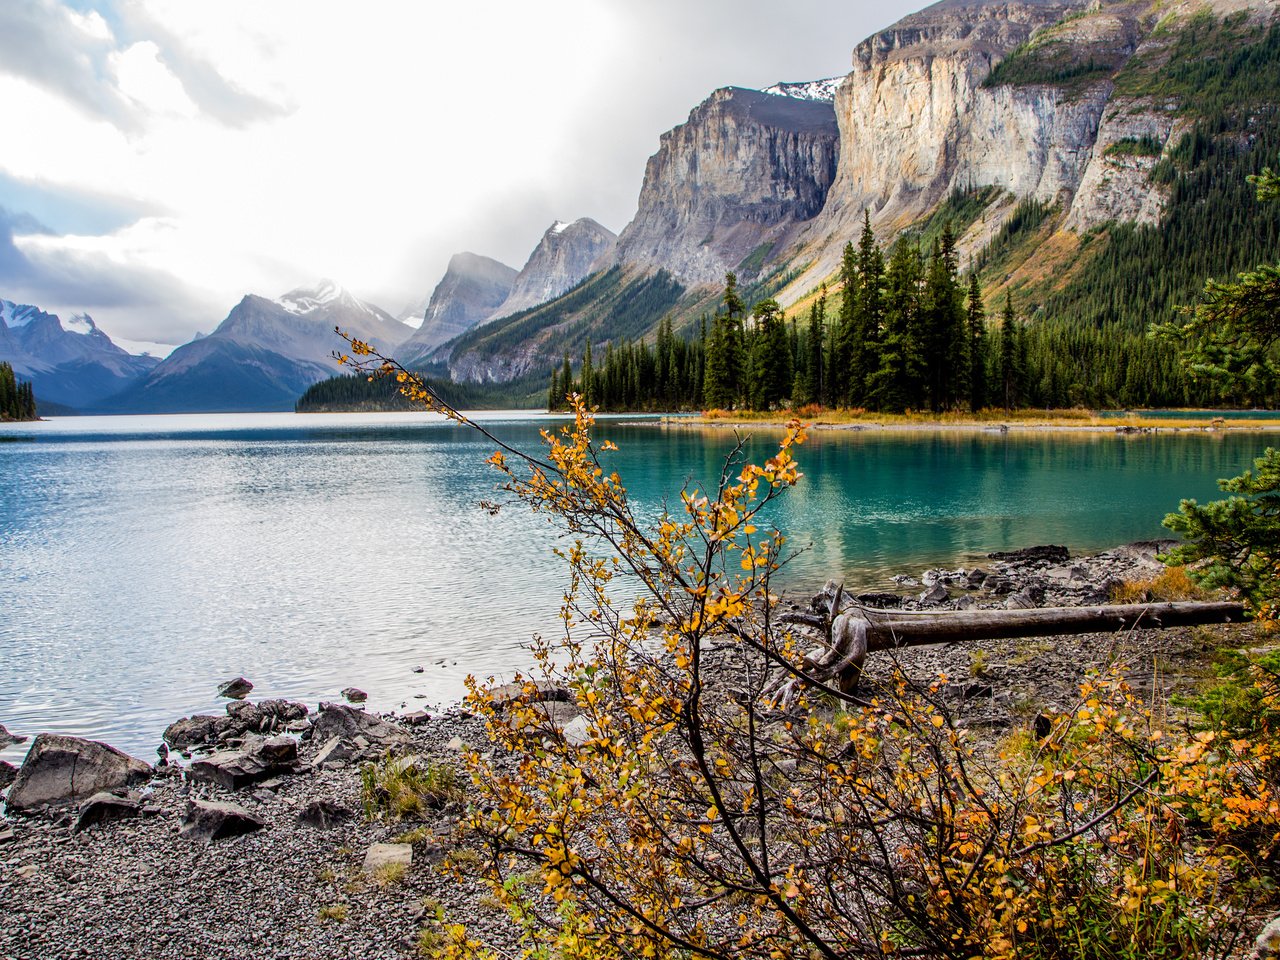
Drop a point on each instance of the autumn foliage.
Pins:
(684, 814)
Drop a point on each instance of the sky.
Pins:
(162, 158)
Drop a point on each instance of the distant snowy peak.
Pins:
(306, 300)
(559, 227)
(14, 315)
(80, 323)
(823, 90)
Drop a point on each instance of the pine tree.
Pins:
(814, 384)
(771, 369)
(1007, 357)
(869, 316)
(846, 369)
(976, 322)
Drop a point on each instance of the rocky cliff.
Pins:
(472, 288)
(731, 185)
(561, 260)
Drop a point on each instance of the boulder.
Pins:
(975, 577)
(324, 814)
(210, 821)
(354, 695)
(196, 731)
(336, 751)
(8, 739)
(935, 595)
(1049, 552)
(380, 856)
(1022, 600)
(234, 769)
(881, 601)
(236, 689)
(60, 770)
(339, 720)
(106, 808)
(7, 773)
(530, 691)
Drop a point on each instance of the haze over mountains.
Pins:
(1080, 106)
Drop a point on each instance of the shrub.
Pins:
(397, 787)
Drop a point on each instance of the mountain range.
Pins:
(1074, 146)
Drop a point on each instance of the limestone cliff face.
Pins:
(561, 260)
(734, 180)
(472, 288)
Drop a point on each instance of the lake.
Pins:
(144, 560)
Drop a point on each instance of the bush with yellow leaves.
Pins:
(693, 818)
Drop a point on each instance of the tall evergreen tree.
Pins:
(814, 383)
(1007, 356)
(976, 322)
(771, 369)
(898, 382)
(869, 315)
(846, 369)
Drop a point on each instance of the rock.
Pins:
(7, 773)
(1267, 946)
(935, 595)
(324, 814)
(236, 689)
(416, 717)
(6, 834)
(8, 739)
(531, 691)
(335, 750)
(196, 731)
(575, 732)
(456, 744)
(549, 717)
(975, 577)
(210, 821)
(235, 769)
(966, 602)
(60, 770)
(881, 601)
(339, 720)
(1022, 600)
(105, 808)
(1049, 552)
(1043, 726)
(417, 669)
(383, 855)
(998, 585)
(354, 695)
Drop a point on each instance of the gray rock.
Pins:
(935, 595)
(235, 769)
(339, 720)
(324, 814)
(576, 732)
(106, 808)
(8, 772)
(335, 750)
(383, 855)
(966, 602)
(531, 691)
(354, 695)
(209, 821)
(8, 739)
(1022, 600)
(236, 689)
(1267, 946)
(60, 770)
(975, 577)
(196, 731)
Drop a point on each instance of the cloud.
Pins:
(120, 79)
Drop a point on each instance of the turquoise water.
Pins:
(143, 560)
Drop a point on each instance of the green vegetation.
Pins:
(17, 401)
(1051, 62)
(397, 787)
(959, 211)
(1015, 234)
(1135, 147)
(356, 393)
(751, 264)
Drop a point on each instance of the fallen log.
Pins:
(861, 630)
(887, 631)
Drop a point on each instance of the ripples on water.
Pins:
(143, 560)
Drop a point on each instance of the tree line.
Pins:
(909, 331)
(17, 399)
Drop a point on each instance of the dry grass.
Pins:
(1172, 584)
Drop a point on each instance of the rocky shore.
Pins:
(249, 836)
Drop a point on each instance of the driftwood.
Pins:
(860, 630)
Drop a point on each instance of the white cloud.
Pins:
(148, 82)
(303, 138)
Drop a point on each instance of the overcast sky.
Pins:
(161, 158)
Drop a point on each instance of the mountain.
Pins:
(263, 355)
(562, 259)
(472, 288)
(1090, 155)
(731, 185)
(70, 363)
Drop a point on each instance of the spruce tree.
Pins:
(771, 369)
(1007, 358)
(976, 322)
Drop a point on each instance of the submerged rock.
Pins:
(354, 695)
(60, 770)
(8, 739)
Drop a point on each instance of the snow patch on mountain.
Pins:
(80, 323)
(306, 300)
(823, 90)
(559, 227)
(15, 315)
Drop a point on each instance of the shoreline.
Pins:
(1134, 427)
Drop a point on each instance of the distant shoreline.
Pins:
(1124, 427)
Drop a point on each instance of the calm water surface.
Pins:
(143, 560)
